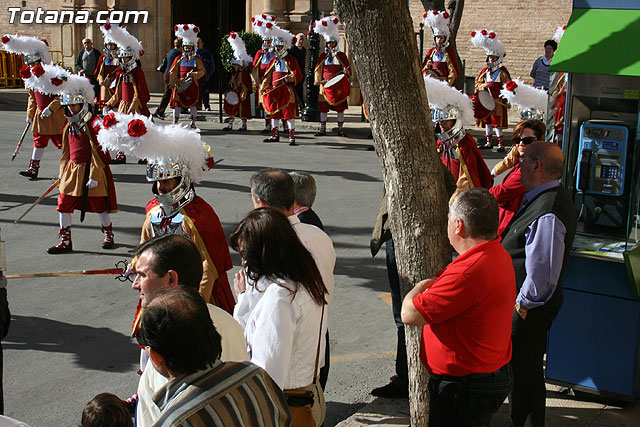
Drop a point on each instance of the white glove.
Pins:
(46, 112)
(29, 120)
(493, 173)
(92, 183)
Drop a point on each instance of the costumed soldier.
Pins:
(492, 78)
(237, 102)
(332, 75)
(278, 86)
(451, 110)
(86, 183)
(185, 74)
(176, 158)
(262, 57)
(44, 112)
(441, 60)
(131, 94)
(107, 68)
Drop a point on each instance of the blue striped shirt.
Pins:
(540, 72)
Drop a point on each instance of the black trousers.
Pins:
(467, 401)
(529, 339)
(166, 97)
(402, 367)
(205, 93)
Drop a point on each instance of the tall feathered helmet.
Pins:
(488, 40)
(74, 89)
(240, 55)
(281, 37)
(328, 28)
(438, 21)
(189, 35)
(171, 151)
(130, 48)
(35, 51)
(108, 39)
(262, 25)
(533, 102)
(448, 103)
(559, 32)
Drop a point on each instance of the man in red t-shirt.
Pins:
(466, 316)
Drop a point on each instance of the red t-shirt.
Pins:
(468, 310)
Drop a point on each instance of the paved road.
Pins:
(69, 337)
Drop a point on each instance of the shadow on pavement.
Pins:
(338, 411)
(93, 348)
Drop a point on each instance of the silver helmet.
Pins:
(72, 98)
(127, 59)
(33, 58)
(279, 41)
(494, 65)
(180, 196)
(453, 134)
(532, 113)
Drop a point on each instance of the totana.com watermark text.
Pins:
(43, 16)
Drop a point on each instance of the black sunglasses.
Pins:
(526, 141)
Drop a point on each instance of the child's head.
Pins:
(106, 409)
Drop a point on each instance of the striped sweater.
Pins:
(228, 394)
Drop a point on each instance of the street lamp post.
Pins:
(311, 112)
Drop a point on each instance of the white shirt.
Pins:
(282, 335)
(234, 349)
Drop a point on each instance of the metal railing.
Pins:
(10, 65)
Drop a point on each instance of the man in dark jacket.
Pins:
(299, 52)
(166, 96)
(209, 67)
(87, 61)
(539, 239)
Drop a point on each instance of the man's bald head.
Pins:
(550, 156)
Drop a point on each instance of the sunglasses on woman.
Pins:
(526, 141)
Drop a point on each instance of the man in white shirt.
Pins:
(160, 264)
(275, 189)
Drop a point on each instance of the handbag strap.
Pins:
(315, 371)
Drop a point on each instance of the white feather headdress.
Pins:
(125, 40)
(279, 33)
(442, 96)
(188, 33)
(26, 45)
(559, 32)
(524, 96)
(438, 20)
(262, 24)
(106, 33)
(165, 145)
(328, 28)
(47, 79)
(75, 85)
(239, 49)
(488, 40)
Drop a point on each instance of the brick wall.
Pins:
(522, 25)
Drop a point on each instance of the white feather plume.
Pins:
(328, 28)
(159, 145)
(437, 21)
(559, 32)
(44, 83)
(106, 33)
(488, 41)
(442, 96)
(23, 45)
(239, 48)
(124, 40)
(277, 32)
(76, 84)
(260, 25)
(525, 96)
(189, 35)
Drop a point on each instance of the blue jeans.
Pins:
(470, 400)
(402, 370)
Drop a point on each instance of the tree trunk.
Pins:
(456, 7)
(380, 36)
(432, 4)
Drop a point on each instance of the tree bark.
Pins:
(381, 39)
(456, 7)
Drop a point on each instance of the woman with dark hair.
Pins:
(510, 193)
(281, 298)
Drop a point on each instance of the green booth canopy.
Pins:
(600, 41)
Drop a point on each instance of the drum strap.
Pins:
(464, 167)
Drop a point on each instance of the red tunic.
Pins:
(262, 60)
(131, 94)
(469, 310)
(478, 171)
(445, 66)
(509, 195)
(277, 71)
(210, 230)
(106, 72)
(326, 70)
(179, 69)
(240, 83)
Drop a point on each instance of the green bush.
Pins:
(252, 41)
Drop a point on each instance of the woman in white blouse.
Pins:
(281, 297)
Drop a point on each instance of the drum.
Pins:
(337, 89)
(231, 103)
(276, 99)
(483, 104)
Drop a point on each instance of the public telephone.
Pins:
(602, 158)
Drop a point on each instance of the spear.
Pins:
(49, 190)
(69, 273)
(17, 150)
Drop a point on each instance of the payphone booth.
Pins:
(594, 343)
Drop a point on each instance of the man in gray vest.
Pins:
(538, 238)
